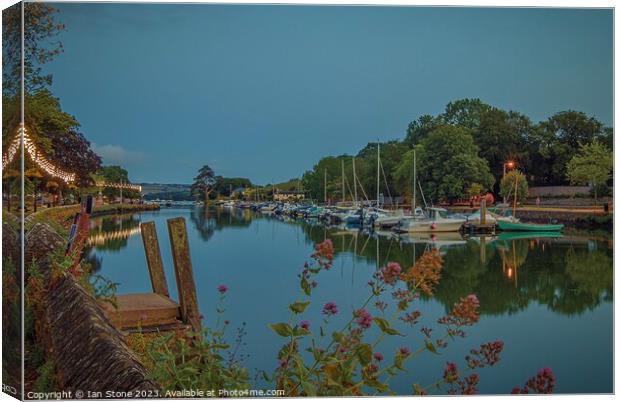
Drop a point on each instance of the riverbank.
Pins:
(60, 218)
(63, 318)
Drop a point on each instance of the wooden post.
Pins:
(79, 233)
(183, 272)
(483, 211)
(153, 259)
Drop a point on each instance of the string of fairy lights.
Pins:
(37, 157)
(124, 186)
(48, 167)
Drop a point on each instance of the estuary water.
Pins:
(550, 300)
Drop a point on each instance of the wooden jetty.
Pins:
(482, 227)
(156, 311)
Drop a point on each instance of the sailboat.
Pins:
(438, 221)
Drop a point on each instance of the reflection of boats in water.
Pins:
(436, 240)
(506, 236)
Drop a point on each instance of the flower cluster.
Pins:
(330, 308)
(222, 289)
(364, 319)
(390, 273)
(487, 355)
(411, 318)
(542, 383)
(465, 312)
(324, 253)
(450, 373)
(464, 386)
(424, 274)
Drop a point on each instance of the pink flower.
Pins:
(378, 356)
(450, 373)
(222, 289)
(404, 351)
(364, 319)
(542, 383)
(465, 312)
(305, 325)
(391, 273)
(330, 308)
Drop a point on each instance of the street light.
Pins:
(509, 165)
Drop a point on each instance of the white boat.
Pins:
(436, 240)
(491, 218)
(437, 222)
(398, 218)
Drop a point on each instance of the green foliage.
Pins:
(592, 165)
(507, 186)
(116, 174)
(225, 185)
(202, 187)
(465, 113)
(40, 27)
(557, 140)
(447, 164)
(47, 380)
(419, 129)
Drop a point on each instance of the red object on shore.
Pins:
(489, 198)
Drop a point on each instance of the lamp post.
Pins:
(510, 165)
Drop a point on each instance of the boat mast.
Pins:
(325, 186)
(414, 184)
(343, 189)
(378, 167)
(354, 182)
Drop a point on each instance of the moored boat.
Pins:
(437, 222)
(528, 227)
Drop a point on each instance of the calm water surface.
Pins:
(549, 300)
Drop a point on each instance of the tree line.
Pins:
(463, 151)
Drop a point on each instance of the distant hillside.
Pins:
(150, 188)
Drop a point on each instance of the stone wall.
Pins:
(89, 354)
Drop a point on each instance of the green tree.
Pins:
(40, 29)
(391, 153)
(115, 174)
(507, 186)
(592, 165)
(448, 164)
(558, 139)
(330, 167)
(419, 129)
(203, 183)
(465, 112)
(500, 138)
(225, 185)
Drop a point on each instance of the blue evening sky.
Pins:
(265, 91)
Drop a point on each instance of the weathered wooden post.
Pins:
(183, 272)
(79, 232)
(153, 259)
(483, 211)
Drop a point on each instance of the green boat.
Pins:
(528, 227)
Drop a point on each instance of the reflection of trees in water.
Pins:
(566, 277)
(209, 220)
